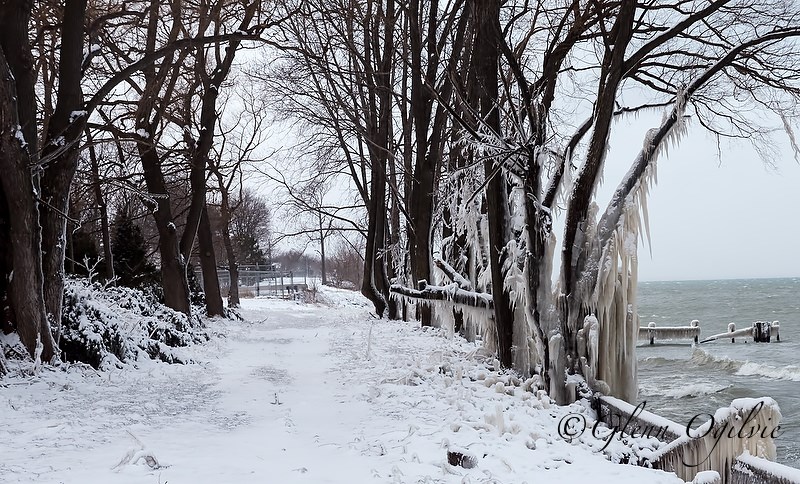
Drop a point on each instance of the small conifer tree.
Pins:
(131, 265)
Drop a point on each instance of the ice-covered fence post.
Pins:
(707, 477)
(731, 329)
(695, 323)
(761, 331)
(776, 328)
(651, 333)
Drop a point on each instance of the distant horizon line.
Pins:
(720, 279)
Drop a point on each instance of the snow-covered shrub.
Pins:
(107, 327)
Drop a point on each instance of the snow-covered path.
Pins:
(297, 393)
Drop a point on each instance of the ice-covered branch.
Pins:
(446, 293)
(451, 273)
(658, 138)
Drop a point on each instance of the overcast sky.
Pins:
(712, 218)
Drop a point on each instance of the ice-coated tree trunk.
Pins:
(485, 63)
(583, 189)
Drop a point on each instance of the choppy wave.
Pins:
(696, 389)
(791, 372)
(701, 357)
(683, 390)
(658, 360)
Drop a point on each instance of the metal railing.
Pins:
(255, 281)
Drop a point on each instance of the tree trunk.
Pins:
(14, 42)
(105, 227)
(485, 62)
(6, 266)
(233, 266)
(611, 76)
(420, 207)
(64, 132)
(323, 274)
(26, 291)
(173, 265)
(3, 364)
(208, 264)
(208, 122)
(371, 286)
(174, 280)
(376, 285)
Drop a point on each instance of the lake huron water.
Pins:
(679, 380)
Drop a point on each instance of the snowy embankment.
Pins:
(300, 393)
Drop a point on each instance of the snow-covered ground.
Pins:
(305, 393)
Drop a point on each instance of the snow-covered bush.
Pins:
(107, 327)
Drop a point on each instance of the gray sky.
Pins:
(713, 218)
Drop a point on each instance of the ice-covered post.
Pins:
(695, 323)
(761, 331)
(731, 329)
(650, 331)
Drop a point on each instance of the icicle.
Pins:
(558, 365)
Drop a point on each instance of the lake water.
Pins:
(679, 381)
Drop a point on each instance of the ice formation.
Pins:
(747, 425)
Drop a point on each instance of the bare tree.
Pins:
(251, 227)
(235, 153)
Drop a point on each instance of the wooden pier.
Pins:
(651, 332)
(758, 331)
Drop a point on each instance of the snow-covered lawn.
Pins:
(298, 393)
